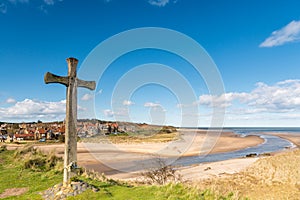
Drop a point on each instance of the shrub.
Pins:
(161, 174)
(167, 129)
(31, 158)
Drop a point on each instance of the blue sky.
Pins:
(254, 44)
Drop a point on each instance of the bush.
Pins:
(35, 163)
(32, 158)
(167, 129)
(162, 174)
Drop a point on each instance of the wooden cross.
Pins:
(71, 82)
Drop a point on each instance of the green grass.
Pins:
(13, 174)
(169, 192)
(136, 137)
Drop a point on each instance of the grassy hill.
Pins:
(27, 172)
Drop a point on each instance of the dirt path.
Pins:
(13, 192)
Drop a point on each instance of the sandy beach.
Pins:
(125, 161)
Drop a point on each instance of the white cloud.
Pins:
(10, 100)
(289, 33)
(278, 98)
(223, 100)
(87, 97)
(32, 110)
(282, 96)
(151, 104)
(128, 103)
(159, 3)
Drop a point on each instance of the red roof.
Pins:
(23, 135)
(42, 131)
(61, 130)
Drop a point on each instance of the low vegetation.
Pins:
(16, 176)
(272, 177)
(155, 134)
(30, 157)
(160, 174)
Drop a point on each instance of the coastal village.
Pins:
(40, 131)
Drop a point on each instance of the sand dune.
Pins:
(274, 177)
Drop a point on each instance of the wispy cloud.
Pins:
(151, 104)
(159, 3)
(49, 2)
(46, 3)
(43, 4)
(108, 113)
(128, 103)
(287, 34)
(223, 100)
(10, 100)
(87, 97)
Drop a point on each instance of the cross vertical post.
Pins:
(71, 82)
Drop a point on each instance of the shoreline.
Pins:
(292, 137)
(227, 142)
(217, 144)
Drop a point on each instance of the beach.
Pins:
(127, 160)
(268, 176)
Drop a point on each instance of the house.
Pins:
(40, 133)
(10, 138)
(23, 137)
